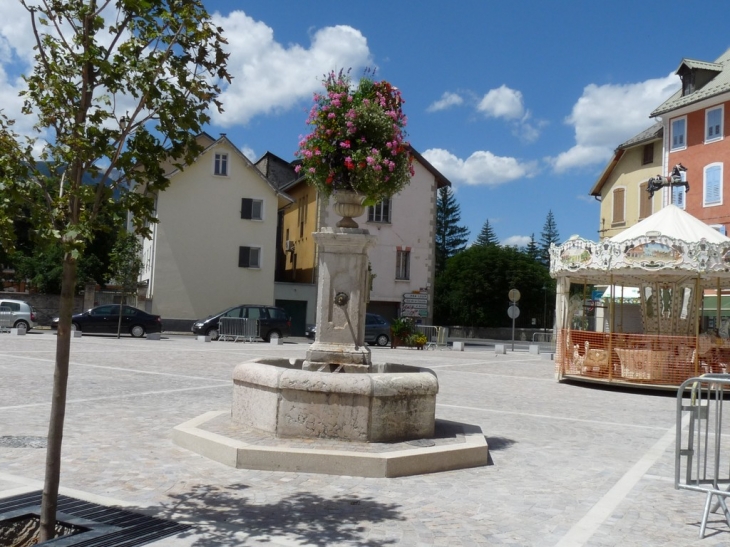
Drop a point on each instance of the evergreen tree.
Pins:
(548, 236)
(486, 236)
(450, 237)
(532, 250)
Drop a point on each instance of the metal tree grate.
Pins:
(107, 526)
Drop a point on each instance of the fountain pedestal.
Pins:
(343, 287)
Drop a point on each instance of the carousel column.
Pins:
(341, 296)
(562, 291)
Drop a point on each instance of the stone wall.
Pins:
(46, 305)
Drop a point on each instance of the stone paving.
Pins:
(571, 464)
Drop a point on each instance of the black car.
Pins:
(105, 319)
(273, 321)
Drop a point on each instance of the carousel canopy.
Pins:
(669, 246)
(673, 222)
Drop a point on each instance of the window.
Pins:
(713, 185)
(220, 167)
(679, 134)
(619, 197)
(645, 202)
(302, 214)
(719, 227)
(252, 209)
(12, 306)
(380, 212)
(648, 154)
(713, 124)
(678, 196)
(403, 265)
(249, 257)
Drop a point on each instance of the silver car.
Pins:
(17, 314)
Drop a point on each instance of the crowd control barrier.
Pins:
(237, 329)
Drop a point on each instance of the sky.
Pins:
(519, 104)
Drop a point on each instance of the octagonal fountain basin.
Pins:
(392, 403)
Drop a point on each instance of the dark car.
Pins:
(310, 331)
(105, 319)
(273, 321)
(377, 329)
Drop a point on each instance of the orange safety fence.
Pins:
(639, 358)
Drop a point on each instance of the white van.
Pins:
(17, 314)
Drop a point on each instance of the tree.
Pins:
(450, 237)
(531, 249)
(125, 265)
(473, 290)
(119, 89)
(548, 236)
(486, 236)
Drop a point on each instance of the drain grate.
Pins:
(107, 526)
(8, 441)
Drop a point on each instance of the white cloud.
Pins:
(481, 168)
(606, 116)
(502, 102)
(269, 77)
(249, 153)
(447, 100)
(516, 241)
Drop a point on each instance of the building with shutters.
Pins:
(214, 245)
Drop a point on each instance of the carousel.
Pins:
(651, 326)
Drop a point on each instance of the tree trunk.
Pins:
(49, 503)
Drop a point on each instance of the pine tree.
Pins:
(548, 236)
(450, 237)
(532, 250)
(487, 236)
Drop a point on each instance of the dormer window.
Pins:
(687, 75)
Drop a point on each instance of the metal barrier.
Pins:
(6, 319)
(236, 328)
(437, 336)
(542, 336)
(702, 452)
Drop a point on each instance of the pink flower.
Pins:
(297, 168)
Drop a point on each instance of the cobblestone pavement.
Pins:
(571, 464)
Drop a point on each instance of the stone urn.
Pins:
(348, 204)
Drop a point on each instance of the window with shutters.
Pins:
(713, 185)
(619, 206)
(648, 156)
(678, 134)
(252, 209)
(403, 265)
(220, 165)
(249, 257)
(380, 212)
(713, 124)
(645, 202)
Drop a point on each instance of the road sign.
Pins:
(513, 311)
(514, 295)
(414, 296)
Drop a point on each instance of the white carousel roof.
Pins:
(673, 222)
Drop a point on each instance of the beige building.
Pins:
(621, 188)
(215, 243)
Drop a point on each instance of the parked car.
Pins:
(377, 329)
(105, 319)
(310, 331)
(17, 314)
(273, 321)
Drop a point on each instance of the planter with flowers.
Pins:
(356, 151)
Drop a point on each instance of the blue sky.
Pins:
(520, 104)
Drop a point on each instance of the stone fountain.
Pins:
(337, 395)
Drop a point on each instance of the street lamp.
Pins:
(544, 308)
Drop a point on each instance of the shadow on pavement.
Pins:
(224, 516)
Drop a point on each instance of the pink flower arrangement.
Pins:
(357, 140)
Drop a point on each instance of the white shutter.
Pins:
(713, 185)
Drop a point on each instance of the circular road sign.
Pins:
(514, 295)
(513, 312)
